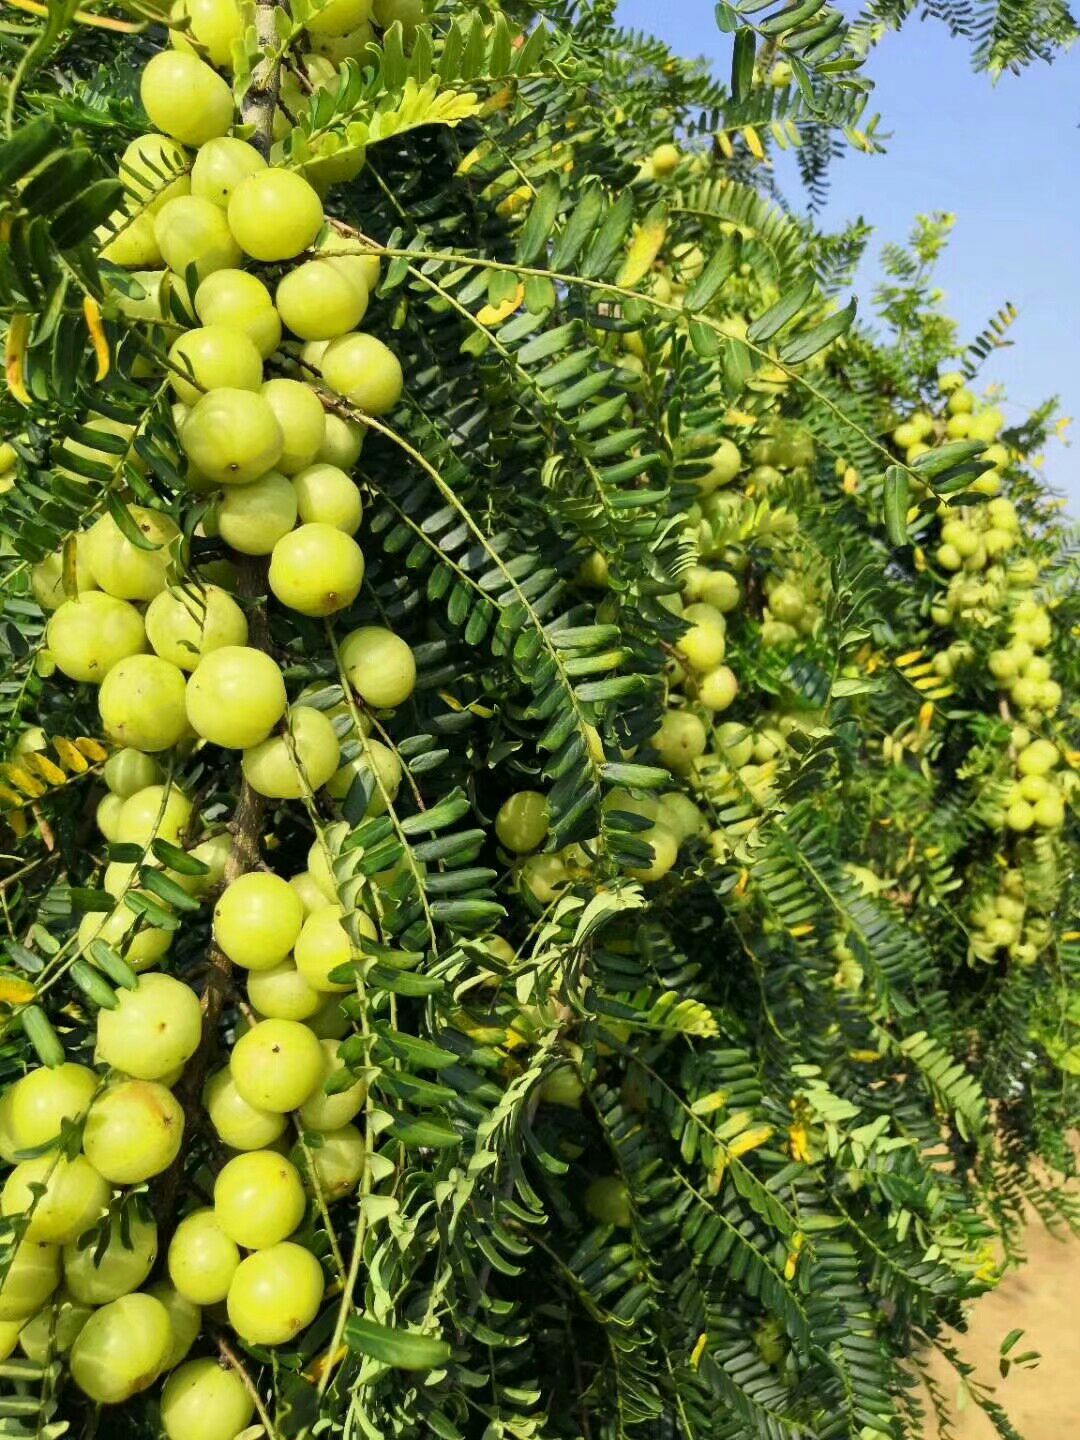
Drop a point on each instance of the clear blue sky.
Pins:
(1005, 159)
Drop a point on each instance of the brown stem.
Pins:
(262, 96)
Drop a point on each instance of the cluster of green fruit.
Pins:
(1005, 922)
(961, 420)
(1036, 799)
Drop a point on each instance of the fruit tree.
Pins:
(537, 784)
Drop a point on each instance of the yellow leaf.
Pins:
(46, 769)
(644, 248)
(18, 337)
(750, 1140)
(98, 338)
(499, 101)
(798, 931)
(753, 142)
(326, 1361)
(726, 147)
(798, 1240)
(909, 657)
(18, 822)
(926, 715)
(864, 1057)
(799, 1143)
(698, 1350)
(72, 757)
(23, 780)
(92, 749)
(15, 991)
(492, 315)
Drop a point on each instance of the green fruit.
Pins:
(723, 465)
(155, 811)
(257, 920)
(316, 570)
(324, 945)
(31, 1277)
(88, 636)
(704, 644)
(153, 1029)
(234, 300)
(235, 697)
(122, 1349)
(379, 665)
(184, 98)
(325, 1111)
(204, 1400)
(342, 443)
(219, 167)
(202, 1259)
(185, 1320)
(213, 357)
(718, 688)
(133, 1131)
(337, 17)
(232, 436)
(680, 740)
(1038, 758)
(253, 518)
(124, 569)
(190, 231)
(241, 1126)
(275, 1294)
(215, 25)
(302, 419)
(73, 1197)
(665, 851)
(282, 993)
(53, 1330)
(325, 495)
(258, 1199)
(274, 214)
(365, 371)
(286, 767)
(47, 576)
(311, 897)
(522, 821)
(38, 1104)
(678, 813)
(128, 771)
(608, 1201)
(141, 702)
(184, 625)
(121, 1268)
(381, 772)
(140, 948)
(320, 301)
(153, 170)
(333, 1167)
(276, 1064)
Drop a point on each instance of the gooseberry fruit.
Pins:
(185, 98)
(89, 635)
(153, 170)
(154, 812)
(253, 518)
(342, 443)
(95, 1279)
(39, 1103)
(365, 371)
(235, 697)
(183, 625)
(334, 1165)
(680, 740)
(241, 1126)
(522, 821)
(141, 702)
(326, 1111)
(153, 1028)
(324, 945)
(286, 768)
(219, 167)
(121, 1349)
(608, 1201)
(214, 26)
(204, 1401)
(257, 920)
(282, 993)
(232, 436)
(276, 1064)
(32, 1275)
(124, 569)
(379, 665)
(190, 231)
(325, 495)
(258, 1199)
(185, 1320)
(127, 771)
(214, 357)
(237, 301)
(275, 1294)
(53, 1330)
(316, 569)
(320, 301)
(202, 1259)
(302, 419)
(705, 642)
(274, 214)
(73, 1196)
(133, 1131)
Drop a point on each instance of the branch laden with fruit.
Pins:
(537, 774)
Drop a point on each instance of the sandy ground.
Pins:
(1044, 1298)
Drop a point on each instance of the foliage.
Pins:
(826, 1094)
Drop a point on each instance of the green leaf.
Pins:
(782, 313)
(743, 55)
(539, 222)
(896, 494)
(39, 1031)
(401, 1349)
(811, 341)
(27, 148)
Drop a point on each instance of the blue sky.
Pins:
(1005, 159)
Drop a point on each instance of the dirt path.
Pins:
(1044, 1298)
